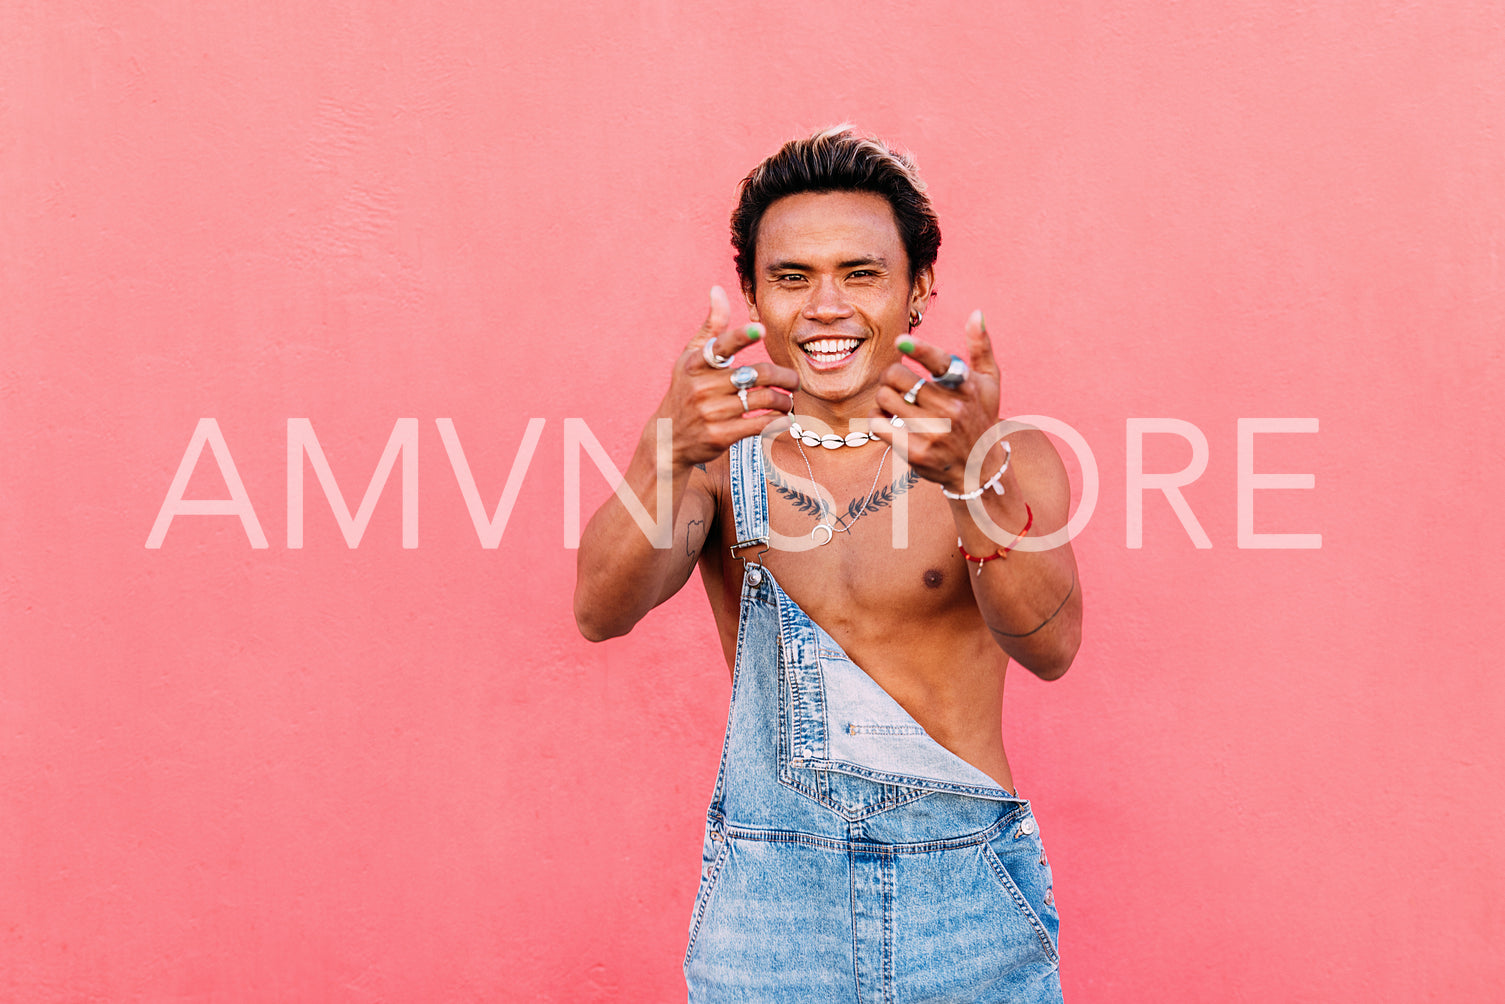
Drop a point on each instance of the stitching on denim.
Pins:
(851, 845)
(795, 707)
(746, 471)
(781, 747)
(820, 792)
(852, 908)
(910, 781)
(703, 902)
(821, 718)
(880, 729)
(1000, 870)
(886, 865)
(719, 791)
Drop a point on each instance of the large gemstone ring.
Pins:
(956, 372)
(744, 377)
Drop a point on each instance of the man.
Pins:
(865, 841)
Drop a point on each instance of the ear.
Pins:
(922, 290)
(748, 294)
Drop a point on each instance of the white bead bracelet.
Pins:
(994, 482)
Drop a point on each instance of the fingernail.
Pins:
(906, 345)
(755, 331)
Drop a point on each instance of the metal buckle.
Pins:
(739, 545)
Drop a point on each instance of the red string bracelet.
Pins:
(1003, 551)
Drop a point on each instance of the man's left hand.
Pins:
(971, 408)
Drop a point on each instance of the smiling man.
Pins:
(865, 840)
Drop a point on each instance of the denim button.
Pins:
(755, 575)
(1027, 827)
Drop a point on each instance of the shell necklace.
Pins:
(830, 441)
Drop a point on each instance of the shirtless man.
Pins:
(865, 839)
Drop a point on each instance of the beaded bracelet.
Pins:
(1003, 552)
(992, 482)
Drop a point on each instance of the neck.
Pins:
(837, 415)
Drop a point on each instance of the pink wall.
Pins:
(388, 774)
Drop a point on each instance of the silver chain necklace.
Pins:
(830, 528)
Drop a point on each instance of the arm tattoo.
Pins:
(856, 507)
(690, 549)
(1005, 634)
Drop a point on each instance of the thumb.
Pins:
(980, 346)
(716, 319)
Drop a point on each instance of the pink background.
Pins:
(382, 774)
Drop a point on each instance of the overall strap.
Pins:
(749, 496)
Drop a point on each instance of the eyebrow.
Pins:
(799, 266)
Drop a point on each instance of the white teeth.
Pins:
(829, 350)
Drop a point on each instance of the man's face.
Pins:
(831, 286)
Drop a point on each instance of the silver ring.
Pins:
(896, 422)
(914, 392)
(742, 396)
(956, 372)
(744, 377)
(712, 359)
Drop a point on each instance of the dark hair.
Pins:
(838, 160)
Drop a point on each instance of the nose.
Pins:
(827, 303)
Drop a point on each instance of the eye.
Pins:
(789, 277)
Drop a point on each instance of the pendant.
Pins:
(830, 533)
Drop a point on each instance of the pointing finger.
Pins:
(723, 344)
(729, 343)
(934, 358)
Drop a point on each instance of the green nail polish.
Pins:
(906, 346)
(755, 331)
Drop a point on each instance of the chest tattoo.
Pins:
(855, 507)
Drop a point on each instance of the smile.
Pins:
(830, 351)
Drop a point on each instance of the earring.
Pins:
(915, 317)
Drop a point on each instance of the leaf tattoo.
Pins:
(856, 507)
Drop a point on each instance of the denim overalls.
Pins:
(848, 856)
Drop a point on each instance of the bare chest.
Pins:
(864, 557)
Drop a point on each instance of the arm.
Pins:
(620, 575)
(1030, 600)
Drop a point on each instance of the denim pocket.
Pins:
(1016, 858)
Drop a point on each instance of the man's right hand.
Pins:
(707, 413)
(621, 574)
